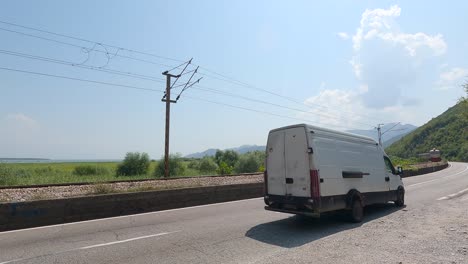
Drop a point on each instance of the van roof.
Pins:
(321, 129)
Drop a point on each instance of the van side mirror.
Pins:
(399, 170)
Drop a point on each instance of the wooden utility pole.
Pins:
(168, 101)
(167, 98)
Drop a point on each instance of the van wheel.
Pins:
(400, 201)
(357, 211)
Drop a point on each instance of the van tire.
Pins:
(356, 213)
(400, 200)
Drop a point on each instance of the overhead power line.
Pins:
(84, 48)
(291, 99)
(80, 79)
(151, 78)
(265, 112)
(221, 77)
(73, 64)
(90, 41)
(156, 90)
(186, 85)
(212, 90)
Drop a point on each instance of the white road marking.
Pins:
(125, 216)
(92, 246)
(125, 241)
(453, 195)
(440, 178)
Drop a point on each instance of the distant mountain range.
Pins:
(388, 138)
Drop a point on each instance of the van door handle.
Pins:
(387, 178)
(289, 180)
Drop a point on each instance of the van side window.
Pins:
(389, 166)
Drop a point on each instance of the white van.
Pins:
(312, 170)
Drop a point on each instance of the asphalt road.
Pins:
(243, 232)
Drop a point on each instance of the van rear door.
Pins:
(276, 172)
(288, 162)
(297, 162)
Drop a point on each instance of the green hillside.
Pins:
(447, 132)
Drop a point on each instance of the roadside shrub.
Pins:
(224, 168)
(207, 165)
(134, 164)
(230, 157)
(176, 166)
(250, 162)
(261, 168)
(84, 170)
(194, 164)
(247, 164)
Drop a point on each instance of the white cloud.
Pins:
(450, 78)
(387, 60)
(329, 99)
(343, 35)
(345, 110)
(381, 24)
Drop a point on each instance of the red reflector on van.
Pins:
(265, 181)
(314, 184)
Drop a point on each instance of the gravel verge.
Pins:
(421, 234)
(57, 192)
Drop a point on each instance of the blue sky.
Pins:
(345, 64)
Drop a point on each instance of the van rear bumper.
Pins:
(292, 204)
(291, 211)
(283, 199)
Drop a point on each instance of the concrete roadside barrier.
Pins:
(425, 170)
(48, 212)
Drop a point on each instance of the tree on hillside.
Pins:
(448, 132)
(464, 101)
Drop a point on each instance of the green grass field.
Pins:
(50, 173)
(57, 173)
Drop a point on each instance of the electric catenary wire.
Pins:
(156, 90)
(69, 63)
(89, 41)
(224, 77)
(151, 78)
(83, 47)
(80, 79)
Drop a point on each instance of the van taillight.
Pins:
(265, 181)
(314, 184)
